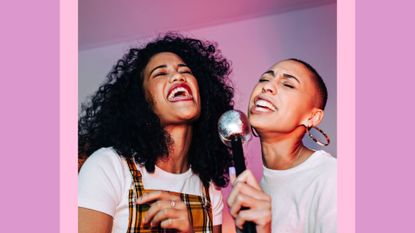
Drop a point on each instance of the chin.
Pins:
(190, 116)
(261, 122)
(259, 118)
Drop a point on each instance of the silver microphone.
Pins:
(234, 123)
(234, 129)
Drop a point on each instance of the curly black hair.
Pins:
(119, 116)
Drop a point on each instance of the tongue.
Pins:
(180, 93)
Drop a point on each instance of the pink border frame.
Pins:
(346, 99)
(68, 116)
(345, 110)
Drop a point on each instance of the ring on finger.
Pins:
(172, 203)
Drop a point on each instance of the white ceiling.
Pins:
(105, 22)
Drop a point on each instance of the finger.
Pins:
(168, 223)
(148, 197)
(239, 222)
(232, 174)
(182, 224)
(258, 216)
(243, 188)
(157, 195)
(249, 178)
(237, 204)
(232, 195)
(248, 190)
(165, 214)
(242, 178)
(243, 200)
(162, 205)
(154, 209)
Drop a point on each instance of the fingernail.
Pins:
(232, 174)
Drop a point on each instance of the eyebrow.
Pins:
(165, 66)
(157, 67)
(289, 76)
(270, 72)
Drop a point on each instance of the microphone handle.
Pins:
(239, 163)
(238, 155)
(249, 227)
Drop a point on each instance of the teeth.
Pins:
(175, 91)
(265, 104)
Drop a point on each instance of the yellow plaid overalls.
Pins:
(199, 207)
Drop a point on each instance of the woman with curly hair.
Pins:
(149, 136)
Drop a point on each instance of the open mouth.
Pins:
(263, 105)
(180, 92)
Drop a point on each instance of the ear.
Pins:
(314, 118)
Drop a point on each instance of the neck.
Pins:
(281, 152)
(177, 160)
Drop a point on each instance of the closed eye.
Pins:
(159, 74)
(288, 85)
(186, 72)
(263, 80)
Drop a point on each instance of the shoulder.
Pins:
(326, 161)
(327, 169)
(105, 156)
(105, 162)
(102, 181)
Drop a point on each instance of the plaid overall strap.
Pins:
(136, 212)
(200, 211)
(199, 207)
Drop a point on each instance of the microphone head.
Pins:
(234, 123)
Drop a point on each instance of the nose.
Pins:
(177, 77)
(269, 87)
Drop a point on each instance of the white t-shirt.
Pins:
(304, 197)
(105, 179)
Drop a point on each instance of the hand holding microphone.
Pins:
(234, 129)
(249, 205)
(247, 192)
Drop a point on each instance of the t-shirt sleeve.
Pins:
(100, 182)
(217, 204)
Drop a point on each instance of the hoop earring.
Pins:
(254, 132)
(315, 139)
